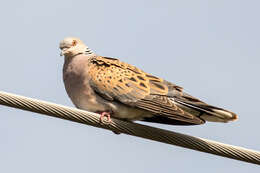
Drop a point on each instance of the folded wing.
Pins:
(115, 80)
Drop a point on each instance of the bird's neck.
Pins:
(88, 51)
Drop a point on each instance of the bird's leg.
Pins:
(105, 114)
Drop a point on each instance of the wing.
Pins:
(116, 80)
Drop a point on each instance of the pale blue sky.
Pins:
(211, 48)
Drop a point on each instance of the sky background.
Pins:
(211, 48)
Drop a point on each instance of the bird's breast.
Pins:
(80, 92)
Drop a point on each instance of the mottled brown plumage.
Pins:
(124, 89)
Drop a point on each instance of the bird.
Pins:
(116, 89)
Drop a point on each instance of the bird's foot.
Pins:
(105, 114)
(108, 119)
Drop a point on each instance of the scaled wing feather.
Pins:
(116, 80)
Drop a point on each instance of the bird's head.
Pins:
(72, 46)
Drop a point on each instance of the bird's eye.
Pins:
(74, 42)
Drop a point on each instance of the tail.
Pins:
(203, 110)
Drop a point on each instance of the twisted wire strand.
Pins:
(134, 129)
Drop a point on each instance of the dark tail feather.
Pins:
(203, 110)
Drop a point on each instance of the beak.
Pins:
(63, 51)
